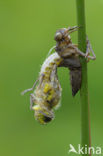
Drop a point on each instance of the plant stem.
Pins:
(85, 121)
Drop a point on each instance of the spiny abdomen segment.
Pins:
(75, 80)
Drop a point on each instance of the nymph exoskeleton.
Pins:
(47, 94)
(70, 54)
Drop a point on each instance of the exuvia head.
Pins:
(43, 116)
(63, 33)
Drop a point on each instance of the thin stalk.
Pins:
(85, 120)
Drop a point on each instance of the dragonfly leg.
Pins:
(30, 89)
(32, 100)
(86, 55)
(89, 49)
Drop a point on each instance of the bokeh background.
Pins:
(27, 31)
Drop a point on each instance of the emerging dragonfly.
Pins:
(46, 96)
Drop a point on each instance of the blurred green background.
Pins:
(27, 31)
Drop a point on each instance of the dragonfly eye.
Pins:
(58, 36)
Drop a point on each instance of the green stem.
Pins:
(85, 121)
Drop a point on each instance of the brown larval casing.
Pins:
(70, 54)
